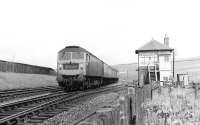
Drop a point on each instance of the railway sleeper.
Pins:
(22, 119)
(53, 112)
(37, 112)
(2, 110)
(11, 122)
(64, 108)
(24, 108)
(30, 115)
(18, 121)
(7, 114)
(39, 117)
(7, 108)
(54, 106)
(48, 114)
(34, 121)
(69, 105)
(1, 117)
(50, 108)
(15, 107)
(47, 109)
(7, 123)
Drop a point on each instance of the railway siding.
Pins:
(7, 96)
(22, 108)
(22, 99)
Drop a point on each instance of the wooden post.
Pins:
(149, 72)
(173, 63)
(151, 91)
(196, 89)
(156, 73)
(165, 123)
(138, 69)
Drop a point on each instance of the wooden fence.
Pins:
(136, 99)
(6, 66)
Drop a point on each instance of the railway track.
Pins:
(9, 112)
(36, 110)
(20, 93)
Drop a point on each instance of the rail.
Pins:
(10, 94)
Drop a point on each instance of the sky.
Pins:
(33, 31)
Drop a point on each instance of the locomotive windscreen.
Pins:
(71, 55)
(65, 56)
(77, 55)
(70, 66)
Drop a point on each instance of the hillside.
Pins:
(127, 71)
(10, 80)
(190, 66)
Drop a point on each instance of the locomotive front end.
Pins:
(71, 68)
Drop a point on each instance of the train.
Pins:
(77, 68)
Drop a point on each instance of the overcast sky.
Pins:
(33, 31)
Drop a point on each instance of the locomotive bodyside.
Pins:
(95, 67)
(94, 71)
(110, 74)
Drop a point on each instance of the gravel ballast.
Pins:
(82, 110)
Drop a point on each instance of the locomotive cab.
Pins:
(71, 67)
(71, 63)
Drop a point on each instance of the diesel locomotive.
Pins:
(77, 68)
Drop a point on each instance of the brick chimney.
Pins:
(166, 40)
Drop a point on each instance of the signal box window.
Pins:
(165, 78)
(166, 58)
(87, 57)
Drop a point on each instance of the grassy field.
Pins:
(20, 80)
(190, 66)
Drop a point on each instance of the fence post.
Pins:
(165, 122)
(151, 90)
(196, 89)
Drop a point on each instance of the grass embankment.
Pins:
(21, 80)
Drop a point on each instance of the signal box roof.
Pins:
(153, 45)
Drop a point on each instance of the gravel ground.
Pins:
(82, 110)
(21, 80)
